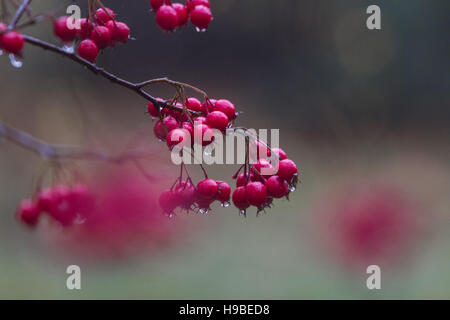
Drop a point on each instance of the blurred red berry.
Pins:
(155, 4)
(167, 18)
(28, 212)
(88, 50)
(256, 194)
(101, 36)
(62, 30)
(182, 13)
(217, 120)
(120, 32)
(223, 191)
(104, 16)
(13, 42)
(201, 17)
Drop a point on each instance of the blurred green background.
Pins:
(352, 105)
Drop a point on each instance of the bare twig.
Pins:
(23, 7)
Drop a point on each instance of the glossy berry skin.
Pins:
(64, 212)
(217, 120)
(159, 130)
(259, 150)
(182, 13)
(192, 3)
(200, 120)
(201, 17)
(152, 109)
(101, 36)
(13, 42)
(120, 32)
(287, 169)
(28, 212)
(167, 18)
(178, 137)
(168, 201)
(190, 128)
(226, 107)
(207, 189)
(277, 187)
(204, 134)
(239, 198)
(194, 104)
(155, 4)
(208, 106)
(88, 50)
(280, 153)
(263, 164)
(185, 192)
(223, 191)
(104, 16)
(85, 29)
(256, 193)
(241, 180)
(62, 30)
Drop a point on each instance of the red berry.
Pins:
(167, 18)
(101, 36)
(280, 153)
(204, 205)
(240, 198)
(13, 42)
(223, 191)
(203, 133)
(190, 128)
(277, 187)
(64, 212)
(28, 212)
(242, 179)
(256, 193)
(119, 31)
(185, 191)
(155, 4)
(62, 30)
(259, 150)
(207, 189)
(85, 29)
(168, 201)
(201, 17)
(208, 106)
(178, 137)
(200, 120)
(105, 16)
(194, 104)
(287, 169)
(182, 13)
(88, 50)
(192, 3)
(81, 199)
(159, 130)
(263, 168)
(217, 120)
(226, 107)
(47, 200)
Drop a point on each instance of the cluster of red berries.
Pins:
(186, 196)
(179, 128)
(63, 204)
(257, 188)
(170, 16)
(11, 41)
(102, 32)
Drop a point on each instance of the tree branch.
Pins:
(23, 7)
(65, 152)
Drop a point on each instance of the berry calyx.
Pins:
(239, 198)
(201, 17)
(256, 193)
(101, 36)
(167, 18)
(88, 50)
(217, 120)
(159, 130)
(226, 107)
(277, 187)
(207, 189)
(182, 13)
(13, 42)
(62, 30)
(28, 212)
(287, 169)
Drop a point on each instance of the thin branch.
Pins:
(65, 152)
(23, 7)
(136, 87)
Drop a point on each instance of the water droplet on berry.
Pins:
(1, 52)
(170, 215)
(69, 47)
(243, 212)
(199, 30)
(225, 204)
(15, 61)
(292, 189)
